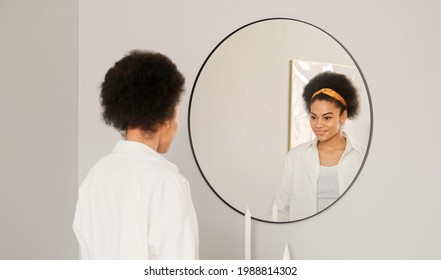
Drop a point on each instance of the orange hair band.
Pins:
(332, 94)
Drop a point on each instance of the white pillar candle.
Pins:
(247, 234)
(286, 254)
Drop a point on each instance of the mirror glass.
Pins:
(246, 110)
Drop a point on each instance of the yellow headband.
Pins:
(332, 94)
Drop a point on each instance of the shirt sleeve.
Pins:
(173, 230)
(283, 191)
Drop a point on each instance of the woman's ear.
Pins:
(167, 123)
(344, 116)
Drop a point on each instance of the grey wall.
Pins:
(39, 128)
(392, 211)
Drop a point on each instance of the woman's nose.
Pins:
(319, 123)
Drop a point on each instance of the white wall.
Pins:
(391, 212)
(39, 128)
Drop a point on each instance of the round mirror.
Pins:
(246, 110)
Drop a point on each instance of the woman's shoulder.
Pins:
(304, 147)
(355, 145)
(299, 152)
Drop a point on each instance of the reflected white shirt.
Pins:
(134, 204)
(296, 194)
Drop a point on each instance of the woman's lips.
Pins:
(320, 132)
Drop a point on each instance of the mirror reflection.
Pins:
(246, 111)
(317, 172)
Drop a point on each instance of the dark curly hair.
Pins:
(141, 91)
(340, 84)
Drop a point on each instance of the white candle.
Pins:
(286, 254)
(248, 234)
(275, 213)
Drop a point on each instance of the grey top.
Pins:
(327, 187)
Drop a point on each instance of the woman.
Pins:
(134, 204)
(316, 173)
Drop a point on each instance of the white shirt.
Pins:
(296, 194)
(134, 204)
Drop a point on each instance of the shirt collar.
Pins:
(350, 144)
(142, 150)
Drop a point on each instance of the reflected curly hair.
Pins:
(141, 91)
(340, 84)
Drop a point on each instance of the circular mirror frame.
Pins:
(192, 95)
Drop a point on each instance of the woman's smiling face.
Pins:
(326, 119)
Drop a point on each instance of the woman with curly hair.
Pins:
(315, 174)
(134, 204)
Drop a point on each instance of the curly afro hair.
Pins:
(141, 91)
(340, 84)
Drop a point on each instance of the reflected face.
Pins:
(326, 119)
(168, 133)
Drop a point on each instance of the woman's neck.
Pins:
(337, 142)
(137, 135)
(331, 151)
